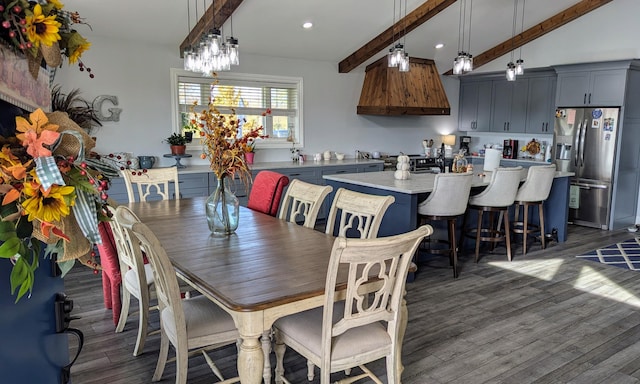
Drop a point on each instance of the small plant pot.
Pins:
(178, 149)
(248, 156)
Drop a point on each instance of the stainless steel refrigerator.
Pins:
(585, 143)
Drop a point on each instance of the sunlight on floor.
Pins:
(586, 280)
(595, 283)
(541, 269)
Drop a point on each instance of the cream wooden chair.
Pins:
(360, 213)
(356, 331)
(192, 325)
(151, 182)
(302, 201)
(137, 280)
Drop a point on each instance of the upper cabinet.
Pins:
(541, 104)
(475, 105)
(509, 106)
(595, 85)
(490, 103)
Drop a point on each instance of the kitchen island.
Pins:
(402, 216)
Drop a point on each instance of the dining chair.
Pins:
(266, 192)
(533, 193)
(448, 201)
(356, 331)
(498, 196)
(193, 325)
(137, 279)
(302, 202)
(151, 183)
(359, 214)
(111, 276)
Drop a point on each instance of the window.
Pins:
(250, 96)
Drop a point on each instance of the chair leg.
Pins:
(279, 349)
(453, 252)
(124, 311)
(266, 351)
(507, 235)
(525, 228)
(478, 233)
(143, 324)
(182, 366)
(162, 357)
(541, 215)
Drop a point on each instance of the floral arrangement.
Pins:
(48, 195)
(43, 30)
(222, 144)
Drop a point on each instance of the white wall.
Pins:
(140, 78)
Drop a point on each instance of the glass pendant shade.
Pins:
(232, 51)
(519, 67)
(511, 71)
(390, 58)
(403, 66)
(468, 63)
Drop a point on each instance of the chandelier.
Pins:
(464, 61)
(397, 56)
(211, 53)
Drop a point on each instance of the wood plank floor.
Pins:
(546, 317)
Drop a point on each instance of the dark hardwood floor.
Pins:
(545, 317)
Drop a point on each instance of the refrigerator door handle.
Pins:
(582, 138)
(575, 145)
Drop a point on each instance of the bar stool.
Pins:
(447, 201)
(497, 197)
(533, 193)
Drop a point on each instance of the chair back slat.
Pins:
(302, 202)
(360, 213)
(151, 183)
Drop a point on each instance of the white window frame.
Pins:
(177, 73)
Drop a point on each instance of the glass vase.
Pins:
(223, 209)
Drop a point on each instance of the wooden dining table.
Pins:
(267, 269)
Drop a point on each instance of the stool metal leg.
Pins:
(525, 228)
(478, 233)
(453, 251)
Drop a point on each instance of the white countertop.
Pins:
(417, 183)
(273, 165)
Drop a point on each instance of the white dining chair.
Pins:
(151, 183)
(359, 214)
(302, 202)
(192, 325)
(137, 281)
(356, 331)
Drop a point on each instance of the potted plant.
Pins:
(178, 143)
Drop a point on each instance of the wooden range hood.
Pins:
(387, 91)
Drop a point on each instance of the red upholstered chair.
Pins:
(266, 192)
(111, 277)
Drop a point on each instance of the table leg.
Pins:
(250, 360)
(266, 350)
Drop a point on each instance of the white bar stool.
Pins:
(533, 193)
(497, 197)
(447, 201)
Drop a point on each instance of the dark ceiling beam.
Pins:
(556, 21)
(223, 10)
(405, 25)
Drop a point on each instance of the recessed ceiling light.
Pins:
(307, 25)
(439, 45)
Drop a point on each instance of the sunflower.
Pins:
(76, 46)
(42, 29)
(47, 205)
(56, 3)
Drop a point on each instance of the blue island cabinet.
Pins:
(30, 349)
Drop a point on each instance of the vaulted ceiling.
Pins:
(342, 29)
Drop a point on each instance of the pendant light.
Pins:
(511, 67)
(397, 57)
(188, 53)
(464, 61)
(520, 62)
